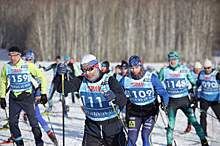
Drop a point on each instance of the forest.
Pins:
(112, 29)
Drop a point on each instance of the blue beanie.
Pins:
(30, 55)
(67, 58)
(134, 61)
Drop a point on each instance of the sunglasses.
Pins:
(88, 69)
(170, 59)
(29, 59)
(207, 67)
(123, 67)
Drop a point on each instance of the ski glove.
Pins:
(43, 99)
(109, 95)
(61, 68)
(164, 107)
(194, 102)
(3, 103)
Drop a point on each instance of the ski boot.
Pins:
(67, 108)
(188, 129)
(19, 143)
(10, 139)
(5, 127)
(204, 142)
(52, 137)
(50, 102)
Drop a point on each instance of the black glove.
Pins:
(218, 76)
(43, 99)
(3, 103)
(61, 68)
(194, 102)
(190, 90)
(109, 96)
(164, 107)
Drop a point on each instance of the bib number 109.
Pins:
(142, 93)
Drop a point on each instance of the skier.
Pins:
(19, 73)
(36, 92)
(195, 73)
(101, 126)
(176, 78)
(105, 68)
(52, 87)
(209, 79)
(142, 88)
(76, 67)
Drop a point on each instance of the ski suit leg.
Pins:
(173, 107)
(134, 124)
(192, 119)
(42, 122)
(52, 90)
(28, 105)
(204, 105)
(14, 114)
(147, 129)
(216, 108)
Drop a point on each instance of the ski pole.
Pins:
(63, 109)
(103, 92)
(121, 123)
(6, 114)
(212, 125)
(171, 130)
(202, 110)
(162, 119)
(49, 119)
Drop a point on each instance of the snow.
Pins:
(74, 127)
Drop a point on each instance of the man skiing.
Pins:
(195, 73)
(176, 78)
(19, 73)
(142, 88)
(101, 126)
(209, 80)
(105, 68)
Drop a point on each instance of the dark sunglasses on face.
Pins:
(207, 67)
(88, 69)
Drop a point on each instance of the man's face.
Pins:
(117, 70)
(15, 58)
(30, 60)
(89, 72)
(135, 70)
(173, 63)
(57, 60)
(208, 69)
(72, 60)
(197, 70)
(104, 69)
(66, 61)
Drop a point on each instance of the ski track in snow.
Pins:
(74, 127)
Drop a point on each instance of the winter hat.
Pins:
(30, 55)
(197, 65)
(88, 60)
(124, 64)
(105, 64)
(173, 55)
(67, 58)
(134, 61)
(118, 66)
(207, 63)
(14, 50)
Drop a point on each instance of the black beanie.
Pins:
(14, 50)
(58, 57)
(124, 64)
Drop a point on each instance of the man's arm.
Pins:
(115, 86)
(160, 76)
(40, 75)
(4, 82)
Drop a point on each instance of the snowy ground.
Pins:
(74, 126)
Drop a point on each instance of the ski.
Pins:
(9, 142)
(4, 128)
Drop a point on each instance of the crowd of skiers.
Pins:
(115, 103)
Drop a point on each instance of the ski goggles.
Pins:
(172, 58)
(103, 65)
(88, 69)
(207, 67)
(123, 67)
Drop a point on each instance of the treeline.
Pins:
(112, 29)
